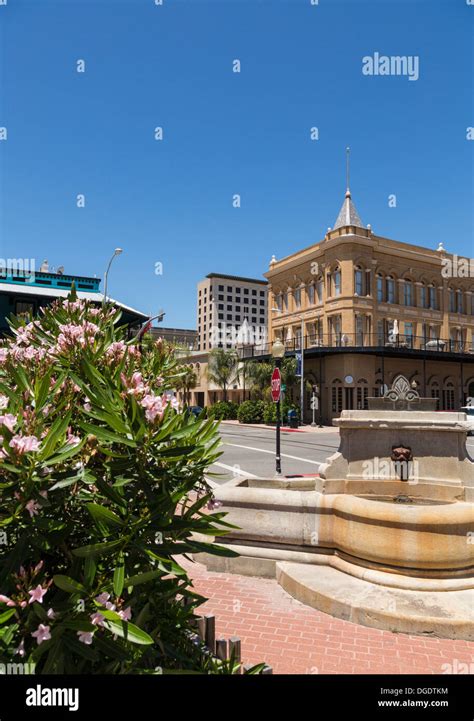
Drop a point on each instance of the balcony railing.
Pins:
(365, 340)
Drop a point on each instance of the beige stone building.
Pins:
(367, 308)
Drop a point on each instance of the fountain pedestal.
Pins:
(384, 536)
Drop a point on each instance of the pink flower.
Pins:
(24, 444)
(3, 402)
(42, 634)
(32, 508)
(126, 614)
(154, 407)
(9, 420)
(37, 594)
(71, 439)
(51, 614)
(8, 601)
(103, 598)
(85, 637)
(3, 355)
(97, 619)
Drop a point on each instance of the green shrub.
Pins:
(98, 470)
(251, 412)
(269, 414)
(223, 411)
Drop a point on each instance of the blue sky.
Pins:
(225, 133)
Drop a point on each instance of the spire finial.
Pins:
(348, 153)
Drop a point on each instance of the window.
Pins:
(254, 319)
(246, 291)
(319, 289)
(254, 292)
(229, 307)
(359, 281)
(24, 307)
(337, 282)
(237, 290)
(221, 316)
(262, 302)
(229, 316)
(237, 317)
(408, 293)
(220, 297)
(310, 293)
(229, 299)
(390, 290)
(285, 301)
(424, 296)
(237, 308)
(262, 293)
(380, 289)
(221, 306)
(221, 287)
(229, 289)
(409, 334)
(452, 301)
(432, 296)
(297, 297)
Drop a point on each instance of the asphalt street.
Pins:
(250, 452)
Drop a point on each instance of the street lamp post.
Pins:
(117, 251)
(278, 351)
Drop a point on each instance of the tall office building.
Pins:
(231, 311)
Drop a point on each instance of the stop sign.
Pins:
(276, 385)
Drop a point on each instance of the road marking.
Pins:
(235, 470)
(283, 455)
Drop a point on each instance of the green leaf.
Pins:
(6, 615)
(65, 583)
(125, 630)
(97, 549)
(119, 575)
(104, 434)
(104, 518)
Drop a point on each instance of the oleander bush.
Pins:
(101, 491)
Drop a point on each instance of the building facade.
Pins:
(184, 337)
(364, 308)
(26, 292)
(231, 310)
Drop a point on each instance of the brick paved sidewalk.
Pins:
(293, 638)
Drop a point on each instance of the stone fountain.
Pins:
(384, 536)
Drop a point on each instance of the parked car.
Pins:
(469, 411)
(196, 410)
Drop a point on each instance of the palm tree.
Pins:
(187, 379)
(223, 368)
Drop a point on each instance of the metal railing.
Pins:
(400, 341)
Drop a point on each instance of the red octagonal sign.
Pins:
(276, 385)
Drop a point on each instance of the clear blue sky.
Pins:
(226, 133)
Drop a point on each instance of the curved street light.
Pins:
(117, 251)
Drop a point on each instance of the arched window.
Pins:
(336, 289)
(448, 396)
(319, 289)
(390, 289)
(380, 288)
(359, 281)
(408, 294)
